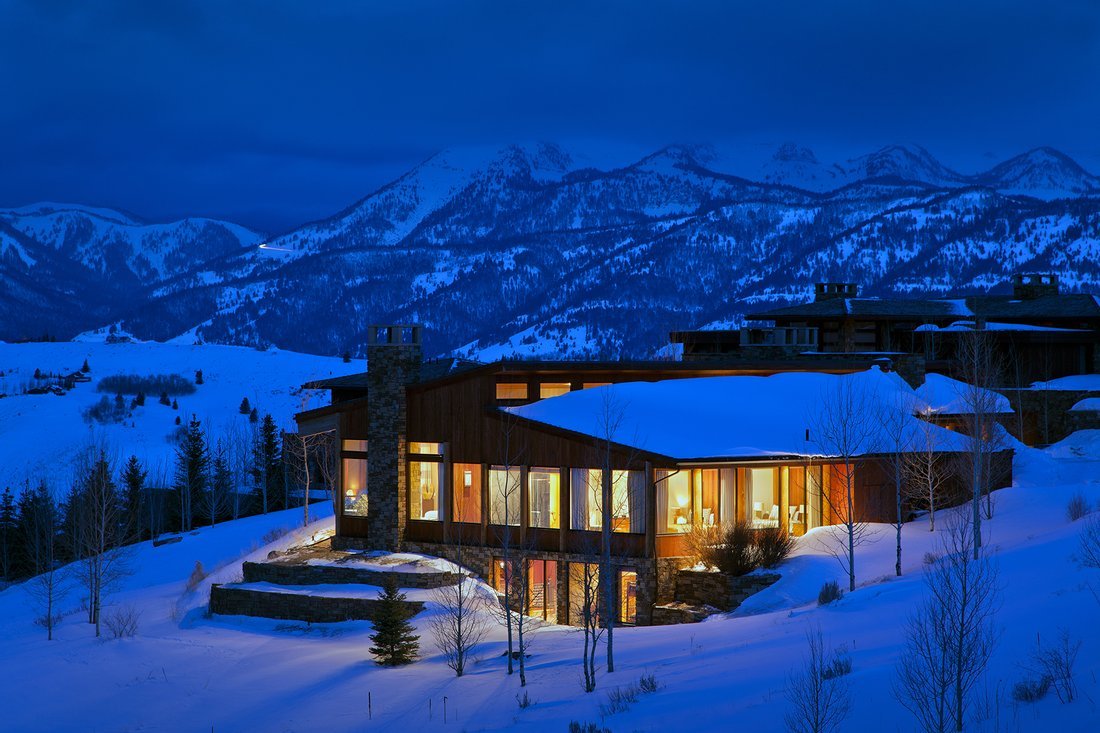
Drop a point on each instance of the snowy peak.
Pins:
(908, 163)
(1044, 173)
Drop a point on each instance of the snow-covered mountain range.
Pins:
(532, 250)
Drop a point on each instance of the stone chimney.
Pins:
(832, 291)
(1031, 285)
(394, 356)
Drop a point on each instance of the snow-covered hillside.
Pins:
(41, 434)
(184, 671)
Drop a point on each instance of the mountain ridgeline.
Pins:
(526, 251)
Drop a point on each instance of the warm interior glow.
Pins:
(511, 390)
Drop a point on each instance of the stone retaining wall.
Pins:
(232, 601)
(724, 592)
(291, 574)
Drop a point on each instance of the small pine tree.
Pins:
(245, 407)
(347, 357)
(393, 638)
(254, 416)
(85, 368)
(37, 373)
(178, 420)
(175, 405)
(164, 399)
(140, 399)
(198, 376)
(133, 489)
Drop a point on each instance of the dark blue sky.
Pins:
(272, 113)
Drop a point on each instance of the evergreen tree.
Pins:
(7, 533)
(192, 467)
(85, 368)
(139, 400)
(268, 480)
(393, 638)
(254, 416)
(245, 407)
(164, 399)
(198, 376)
(133, 489)
(175, 405)
(347, 357)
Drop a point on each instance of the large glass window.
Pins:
(511, 390)
(542, 589)
(544, 486)
(627, 500)
(553, 389)
(426, 449)
(763, 492)
(814, 499)
(673, 501)
(504, 496)
(706, 496)
(584, 592)
(628, 597)
(796, 495)
(467, 493)
(425, 490)
(355, 486)
(355, 446)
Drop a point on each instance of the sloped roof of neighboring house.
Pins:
(947, 396)
(1089, 404)
(1069, 305)
(717, 418)
(1073, 383)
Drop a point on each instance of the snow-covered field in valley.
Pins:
(40, 434)
(184, 671)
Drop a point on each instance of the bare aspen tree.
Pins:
(101, 536)
(845, 429)
(819, 695)
(980, 370)
(50, 582)
(926, 467)
(950, 637)
(461, 623)
(584, 602)
(505, 503)
(894, 419)
(311, 457)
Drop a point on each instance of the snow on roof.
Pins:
(1089, 404)
(1082, 382)
(709, 418)
(949, 396)
(963, 326)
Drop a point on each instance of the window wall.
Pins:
(584, 592)
(762, 488)
(467, 493)
(425, 490)
(544, 498)
(504, 496)
(355, 486)
(627, 508)
(700, 496)
(628, 597)
(542, 589)
(553, 389)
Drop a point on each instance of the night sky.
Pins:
(273, 113)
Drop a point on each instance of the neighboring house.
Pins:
(1038, 332)
(520, 455)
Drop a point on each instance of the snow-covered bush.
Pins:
(773, 545)
(730, 548)
(1077, 507)
(829, 593)
(575, 727)
(647, 683)
(1031, 689)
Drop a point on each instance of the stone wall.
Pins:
(291, 574)
(722, 591)
(233, 601)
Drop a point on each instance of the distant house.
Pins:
(522, 454)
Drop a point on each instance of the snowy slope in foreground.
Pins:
(41, 434)
(184, 672)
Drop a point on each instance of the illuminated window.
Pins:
(355, 446)
(590, 385)
(504, 496)
(355, 486)
(627, 500)
(584, 592)
(762, 487)
(544, 487)
(705, 481)
(511, 390)
(673, 501)
(628, 597)
(425, 487)
(426, 449)
(542, 589)
(552, 389)
(467, 491)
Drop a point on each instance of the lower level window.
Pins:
(628, 597)
(584, 593)
(355, 486)
(425, 490)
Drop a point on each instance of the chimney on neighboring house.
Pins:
(1031, 285)
(832, 291)
(394, 356)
